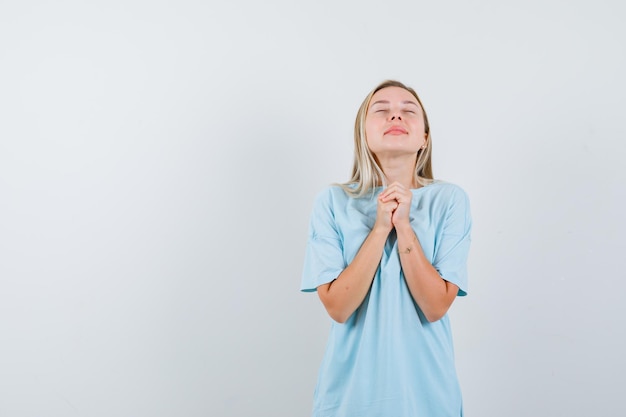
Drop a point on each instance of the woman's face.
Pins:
(394, 124)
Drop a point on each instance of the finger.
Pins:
(384, 193)
(388, 194)
(399, 197)
(389, 206)
(396, 186)
(389, 203)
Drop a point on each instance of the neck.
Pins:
(399, 169)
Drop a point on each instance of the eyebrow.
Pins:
(387, 102)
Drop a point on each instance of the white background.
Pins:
(159, 160)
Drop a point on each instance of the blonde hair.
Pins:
(366, 172)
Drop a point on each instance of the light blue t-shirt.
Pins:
(387, 360)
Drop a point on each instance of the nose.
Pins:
(394, 117)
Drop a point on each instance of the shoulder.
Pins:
(327, 211)
(331, 196)
(447, 190)
(445, 197)
(329, 200)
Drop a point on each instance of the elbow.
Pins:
(437, 309)
(337, 319)
(336, 309)
(435, 315)
(337, 312)
(433, 318)
(337, 315)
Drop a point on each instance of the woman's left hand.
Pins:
(403, 196)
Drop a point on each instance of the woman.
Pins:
(387, 255)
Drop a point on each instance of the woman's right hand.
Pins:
(384, 213)
(342, 296)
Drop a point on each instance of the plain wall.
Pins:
(159, 160)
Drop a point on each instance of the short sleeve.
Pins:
(454, 241)
(323, 261)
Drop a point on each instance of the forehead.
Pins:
(393, 94)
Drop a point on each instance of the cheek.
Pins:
(370, 130)
(419, 128)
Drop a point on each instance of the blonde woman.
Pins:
(387, 255)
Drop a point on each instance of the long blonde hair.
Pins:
(366, 172)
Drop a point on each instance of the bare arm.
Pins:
(345, 294)
(432, 293)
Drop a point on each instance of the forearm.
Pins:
(345, 294)
(432, 293)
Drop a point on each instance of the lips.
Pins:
(396, 130)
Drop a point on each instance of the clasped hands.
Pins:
(393, 207)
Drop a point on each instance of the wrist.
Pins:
(381, 230)
(404, 228)
(408, 245)
(407, 239)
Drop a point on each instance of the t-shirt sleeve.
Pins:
(323, 260)
(453, 248)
